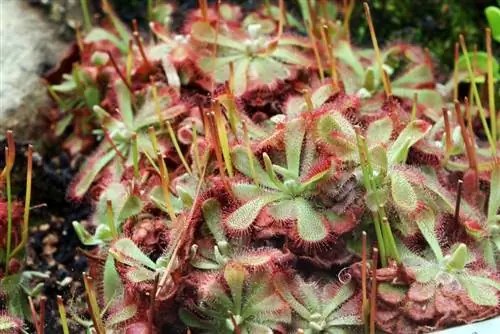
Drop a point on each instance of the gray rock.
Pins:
(29, 45)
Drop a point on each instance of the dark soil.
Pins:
(52, 246)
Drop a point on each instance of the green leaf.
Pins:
(17, 301)
(291, 56)
(480, 294)
(241, 72)
(267, 71)
(426, 221)
(283, 288)
(246, 192)
(294, 136)
(337, 133)
(213, 219)
(162, 13)
(379, 131)
(92, 96)
(121, 315)
(244, 216)
(112, 284)
(411, 134)
(90, 170)
(427, 273)
(494, 201)
(191, 320)
(63, 124)
(132, 207)
(342, 320)
(346, 55)
(126, 251)
(253, 259)
(321, 95)
(489, 252)
(148, 117)
(117, 24)
(310, 224)
(140, 274)
(66, 86)
(343, 294)
(304, 8)
(125, 103)
(234, 274)
(403, 194)
(204, 32)
(378, 159)
(416, 76)
(264, 307)
(99, 34)
(427, 97)
(242, 164)
(458, 258)
(88, 239)
(480, 59)
(493, 16)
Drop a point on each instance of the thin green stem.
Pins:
(414, 107)
(475, 91)
(27, 202)
(87, 22)
(62, 315)
(135, 155)
(150, 10)
(174, 140)
(250, 156)
(194, 144)
(93, 306)
(491, 87)
(367, 172)
(111, 219)
(9, 215)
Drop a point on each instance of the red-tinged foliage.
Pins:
(266, 172)
(17, 214)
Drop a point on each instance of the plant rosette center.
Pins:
(233, 320)
(317, 322)
(256, 43)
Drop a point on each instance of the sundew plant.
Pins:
(255, 172)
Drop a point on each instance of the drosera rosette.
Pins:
(261, 61)
(75, 97)
(320, 307)
(383, 151)
(123, 133)
(400, 70)
(133, 239)
(407, 68)
(286, 196)
(10, 324)
(16, 284)
(446, 287)
(177, 55)
(235, 299)
(218, 251)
